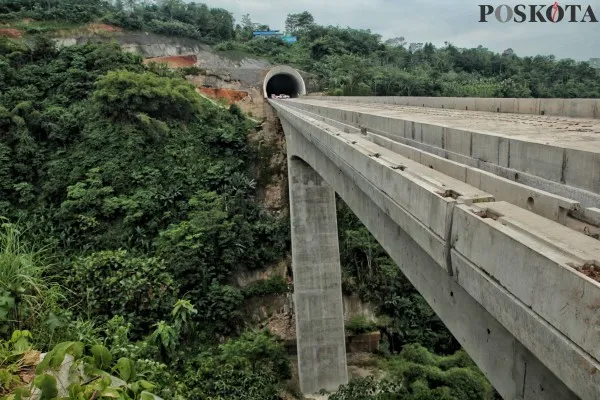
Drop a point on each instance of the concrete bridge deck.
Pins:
(572, 133)
(489, 215)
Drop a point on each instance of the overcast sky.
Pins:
(435, 21)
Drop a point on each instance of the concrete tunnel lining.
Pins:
(284, 80)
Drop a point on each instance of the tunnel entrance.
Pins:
(283, 80)
(283, 84)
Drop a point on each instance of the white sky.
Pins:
(435, 21)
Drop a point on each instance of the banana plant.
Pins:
(91, 376)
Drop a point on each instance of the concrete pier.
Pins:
(317, 281)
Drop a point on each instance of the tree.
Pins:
(299, 23)
(131, 5)
(123, 94)
(508, 52)
(172, 7)
(396, 42)
(414, 47)
(247, 21)
(221, 24)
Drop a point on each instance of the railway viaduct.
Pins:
(490, 207)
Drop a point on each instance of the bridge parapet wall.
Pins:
(570, 172)
(575, 108)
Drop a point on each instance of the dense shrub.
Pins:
(136, 178)
(418, 374)
(124, 94)
(116, 283)
(250, 367)
(360, 324)
(261, 350)
(273, 285)
(175, 17)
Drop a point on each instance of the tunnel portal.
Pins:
(284, 80)
(283, 84)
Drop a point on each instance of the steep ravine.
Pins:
(235, 78)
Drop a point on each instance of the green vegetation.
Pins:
(354, 62)
(346, 61)
(88, 376)
(173, 17)
(273, 285)
(75, 11)
(128, 204)
(360, 324)
(169, 17)
(25, 296)
(418, 374)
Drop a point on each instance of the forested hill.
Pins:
(347, 61)
(357, 62)
(171, 17)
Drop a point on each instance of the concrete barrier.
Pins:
(563, 171)
(537, 261)
(576, 108)
(555, 208)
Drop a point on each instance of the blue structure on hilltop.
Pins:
(277, 34)
(267, 34)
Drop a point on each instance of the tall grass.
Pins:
(26, 293)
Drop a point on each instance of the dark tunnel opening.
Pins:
(283, 84)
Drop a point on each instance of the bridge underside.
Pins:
(503, 279)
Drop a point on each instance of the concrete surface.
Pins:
(317, 281)
(286, 71)
(556, 154)
(577, 108)
(365, 343)
(542, 257)
(542, 203)
(504, 280)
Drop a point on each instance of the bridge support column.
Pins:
(317, 281)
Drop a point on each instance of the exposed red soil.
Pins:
(11, 33)
(174, 61)
(230, 95)
(103, 28)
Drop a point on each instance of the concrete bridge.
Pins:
(488, 206)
